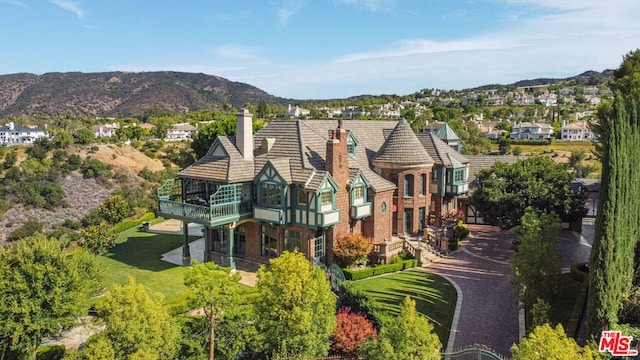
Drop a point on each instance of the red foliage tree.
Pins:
(350, 332)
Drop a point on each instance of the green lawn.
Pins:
(435, 297)
(138, 254)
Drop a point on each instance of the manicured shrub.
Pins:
(357, 274)
(408, 264)
(383, 269)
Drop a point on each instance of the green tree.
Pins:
(537, 264)
(262, 110)
(295, 308)
(96, 238)
(216, 291)
(223, 126)
(410, 336)
(504, 143)
(114, 209)
(43, 289)
(10, 159)
(63, 139)
(137, 323)
(505, 190)
(547, 343)
(611, 271)
(84, 136)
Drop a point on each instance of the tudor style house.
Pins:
(300, 184)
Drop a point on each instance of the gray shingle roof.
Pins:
(440, 150)
(480, 162)
(299, 147)
(403, 147)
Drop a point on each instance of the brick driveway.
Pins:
(489, 309)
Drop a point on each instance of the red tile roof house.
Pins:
(301, 184)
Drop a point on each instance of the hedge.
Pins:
(129, 223)
(379, 269)
(383, 269)
(357, 274)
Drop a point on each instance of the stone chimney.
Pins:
(244, 134)
(12, 126)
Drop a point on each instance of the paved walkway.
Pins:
(489, 310)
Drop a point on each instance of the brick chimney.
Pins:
(244, 134)
(337, 164)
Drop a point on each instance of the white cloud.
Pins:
(234, 51)
(14, 2)
(372, 5)
(288, 8)
(564, 40)
(70, 5)
(233, 16)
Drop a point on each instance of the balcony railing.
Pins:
(223, 206)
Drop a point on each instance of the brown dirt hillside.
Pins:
(123, 157)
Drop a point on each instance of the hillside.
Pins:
(82, 194)
(121, 94)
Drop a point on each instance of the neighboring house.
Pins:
(106, 130)
(12, 134)
(531, 131)
(180, 132)
(296, 112)
(489, 128)
(299, 185)
(577, 131)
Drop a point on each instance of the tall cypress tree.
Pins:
(617, 223)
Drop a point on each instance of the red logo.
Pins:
(616, 344)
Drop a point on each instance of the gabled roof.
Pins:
(231, 168)
(440, 151)
(403, 147)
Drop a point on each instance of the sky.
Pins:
(323, 49)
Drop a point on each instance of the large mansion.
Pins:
(301, 184)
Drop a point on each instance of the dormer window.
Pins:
(325, 198)
(352, 143)
(270, 194)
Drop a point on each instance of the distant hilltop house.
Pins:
(106, 130)
(531, 131)
(577, 131)
(12, 134)
(489, 128)
(296, 112)
(180, 132)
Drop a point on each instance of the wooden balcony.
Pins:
(271, 215)
(224, 206)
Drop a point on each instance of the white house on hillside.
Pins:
(531, 131)
(296, 112)
(12, 134)
(180, 132)
(577, 131)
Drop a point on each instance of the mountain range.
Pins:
(125, 94)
